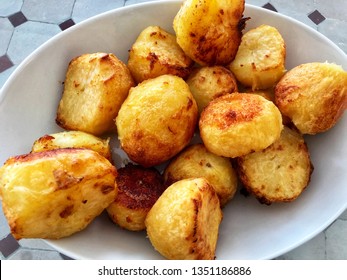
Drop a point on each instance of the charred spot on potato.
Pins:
(107, 189)
(66, 212)
(190, 103)
(64, 179)
(138, 187)
(153, 58)
(242, 23)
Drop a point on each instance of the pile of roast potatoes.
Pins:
(211, 79)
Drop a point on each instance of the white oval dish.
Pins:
(249, 230)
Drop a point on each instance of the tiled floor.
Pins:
(26, 24)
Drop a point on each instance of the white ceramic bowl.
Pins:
(249, 230)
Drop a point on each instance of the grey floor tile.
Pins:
(336, 9)
(299, 6)
(25, 254)
(343, 216)
(27, 37)
(5, 75)
(84, 9)
(6, 30)
(35, 244)
(314, 249)
(133, 2)
(50, 11)
(336, 243)
(10, 7)
(4, 228)
(8, 245)
(258, 3)
(335, 30)
(302, 17)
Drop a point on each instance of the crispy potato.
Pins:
(239, 123)
(209, 82)
(138, 189)
(313, 96)
(72, 139)
(196, 161)
(156, 52)
(157, 120)
(269, 94)
(95, 87)
(210, 32)
(184, 222)
(56, 193)
(260, 59)
(279, 173)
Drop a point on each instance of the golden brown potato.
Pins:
(239, 123)
(56, 193)
(184, 222)
(269, 94)
(279, 173)
(156, 52)
(209, 82)
(138, 189)
(313, 96)
(94, 89)
(157, 120)
(72, 139)
(260, 59)
(195, 162)
(210, 32)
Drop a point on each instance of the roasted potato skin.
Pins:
(279, 173)
(184, 222)
(196, 161)
(210, 31)
(156, 52)
(313, 95)
(56, 193)
(239, 123)
(138, 189)
(157, 120)
(95, 87)
(209, 82)
(73, 139)
(260, 59)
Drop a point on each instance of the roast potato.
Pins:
(157, 120)
(184, 222)
(56, 193)
(260, 59)
(239, 123)
(279, 173)
(209, 82)
(210, 32)
(156, 52)
(95, 87)
(313, 95)
(72, 139)
(138, 189)
(196, 161)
